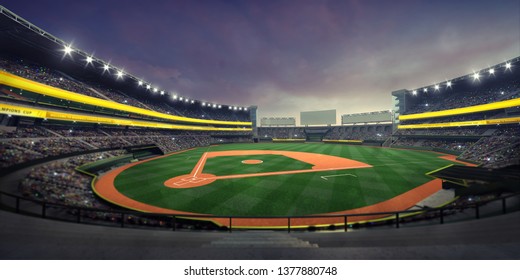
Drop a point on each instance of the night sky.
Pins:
(287, 56)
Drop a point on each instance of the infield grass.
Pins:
(232, 165)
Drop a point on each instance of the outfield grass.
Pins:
(394, 172)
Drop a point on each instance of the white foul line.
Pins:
(325, 177)
(199, 165)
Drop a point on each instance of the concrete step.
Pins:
(264, 240)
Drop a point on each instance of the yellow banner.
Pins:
(289, 140)
(63, 116)
(457, 124)
(32, 86)
(21, 111)
(466, 110)
(343, 141)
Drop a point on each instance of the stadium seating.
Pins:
(28, 143)
(43, 74)
(453, 98)
(281, 132)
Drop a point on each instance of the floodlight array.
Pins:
(69, 50)
(475, 77)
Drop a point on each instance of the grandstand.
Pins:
(65, 124)
(473, 116)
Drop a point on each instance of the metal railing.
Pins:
(122, 218)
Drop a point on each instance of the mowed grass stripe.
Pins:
(394, 172)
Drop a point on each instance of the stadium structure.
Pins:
(90, 154)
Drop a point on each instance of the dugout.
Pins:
(468, 180)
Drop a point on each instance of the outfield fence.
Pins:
(132, 219)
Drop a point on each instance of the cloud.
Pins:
(287, 56)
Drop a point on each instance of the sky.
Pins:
(287, 56)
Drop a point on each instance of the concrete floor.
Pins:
(24, 237)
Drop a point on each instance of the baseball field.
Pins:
(275, 179)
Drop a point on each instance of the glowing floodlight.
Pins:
(436, 87)
(155, 89)
(219, 106)
(67, 49)
(508, 65)
(214, 105)
(425, 89)
(148, 86)
(448, 83)
(162, 92)
(491, 71)
(119, 74)
(192, 102)
(175, 97)
(245, 109)
(234, 108)
(203, 103)
(89, 59)
(106, 67)
(140, 83)
(414, 92)
(476, 76)
(180, 98)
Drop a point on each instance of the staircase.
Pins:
(252, 239)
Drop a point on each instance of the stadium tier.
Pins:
(476, 116)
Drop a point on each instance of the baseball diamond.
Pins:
(293, 179)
